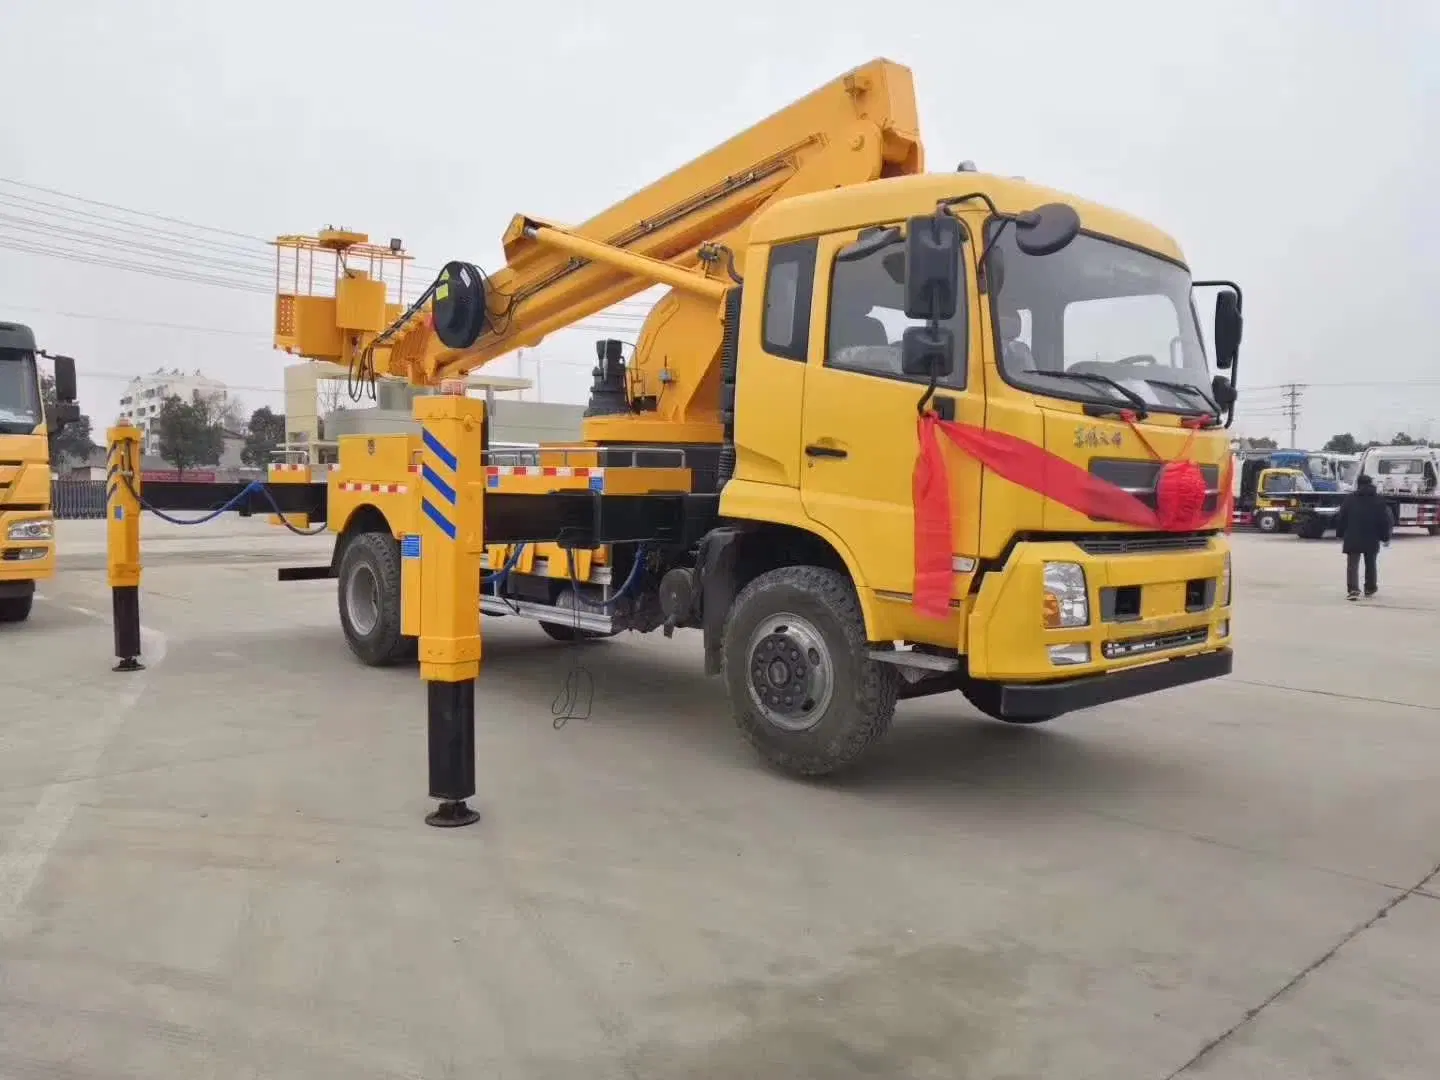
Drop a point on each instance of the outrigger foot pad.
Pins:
(452, 815)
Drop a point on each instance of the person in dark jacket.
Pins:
(1363, 524)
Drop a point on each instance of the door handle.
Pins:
(818, 450)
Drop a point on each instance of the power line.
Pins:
(1359, 383)
(234, 278)
(54, 230)
(138, 322)
(127, 210)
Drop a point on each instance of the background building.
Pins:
(143, 395)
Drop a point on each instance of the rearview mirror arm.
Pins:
(943, 207)
(1221, 283)
(1218, 283)
(929, 393)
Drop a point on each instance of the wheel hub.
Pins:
(362, 600)
(790, 679)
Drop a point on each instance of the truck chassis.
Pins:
(779, 617)
(1316, 511)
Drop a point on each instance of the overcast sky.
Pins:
(1284, 144)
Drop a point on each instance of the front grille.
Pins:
(1128, 647)
(1138, 478)
(1140, 545)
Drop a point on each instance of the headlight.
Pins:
(1222, 587)
(39, 529)
(1065, 602)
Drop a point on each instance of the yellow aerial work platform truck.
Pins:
(890, 433)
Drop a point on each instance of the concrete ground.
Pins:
(218, 868)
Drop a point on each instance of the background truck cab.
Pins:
(27, 525)
(1265, 495)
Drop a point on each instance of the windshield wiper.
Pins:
(1187, 388)
(1095, 377)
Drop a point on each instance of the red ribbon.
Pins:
(1036, 469)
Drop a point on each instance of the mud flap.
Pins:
(716, 561)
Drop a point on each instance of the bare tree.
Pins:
(329, 396)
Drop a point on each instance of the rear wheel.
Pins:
(567, 630)
(796, 664)
(14, 609)
(369, 598)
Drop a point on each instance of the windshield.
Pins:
(1101, 309)
(1400, 466)
(19, 393)
(1285, 483)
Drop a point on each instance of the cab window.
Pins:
(867, 311)
(789, 281)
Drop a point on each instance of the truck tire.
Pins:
(15, 609)
(1434, 530)
(1310, 529)
(369, 599)
(796, 664)
(1267, 521)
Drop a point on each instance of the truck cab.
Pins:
(27, 526)
(1266, 494)
(1347, 470)
(1402, 470)
(1057, 349)
(1318, 466)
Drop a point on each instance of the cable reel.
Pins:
(458, 307)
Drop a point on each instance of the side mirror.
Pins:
(927, 351)
(66, 412)
(1228, 326)
(932, 267)
(65, 388)
(1223, 391)
(1046, 229)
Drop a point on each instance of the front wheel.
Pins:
(803, 688)
(15, 609)
(1267, 523)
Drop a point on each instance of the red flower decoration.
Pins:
(1180, 496)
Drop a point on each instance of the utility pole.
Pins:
(1291, 393)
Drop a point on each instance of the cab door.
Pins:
(858, 430)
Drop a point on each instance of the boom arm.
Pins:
(683, 230)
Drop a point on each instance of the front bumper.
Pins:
(1149, 600)
(1035, 701)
